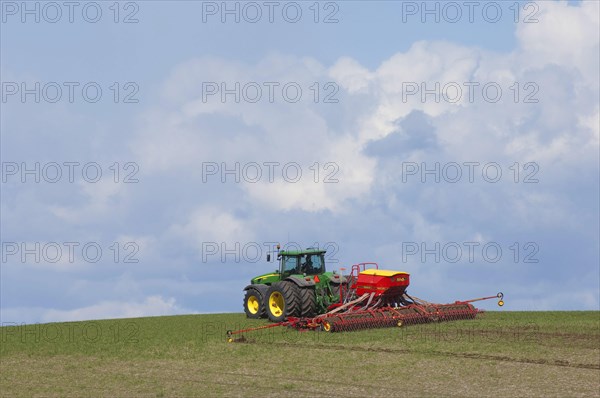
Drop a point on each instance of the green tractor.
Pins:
(300, 288)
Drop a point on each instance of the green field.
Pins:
(537, 354)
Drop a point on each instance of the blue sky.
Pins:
(461, 229)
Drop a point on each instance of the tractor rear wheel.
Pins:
(308, 302)
(254, 304)
(282, 301)
(336, 289)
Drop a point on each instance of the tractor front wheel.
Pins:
(254, 305)
(282, 301)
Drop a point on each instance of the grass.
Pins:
(501, 353)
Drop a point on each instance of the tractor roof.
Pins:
(301, 252)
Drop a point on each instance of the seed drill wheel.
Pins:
(254, 305)
(282, 301)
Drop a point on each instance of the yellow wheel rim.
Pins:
(399, 324)
(500, 303)
(253, 304)
(327, 326)
(276, 303)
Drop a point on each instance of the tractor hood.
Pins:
(269, 278)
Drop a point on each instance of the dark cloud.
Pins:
(414, 132)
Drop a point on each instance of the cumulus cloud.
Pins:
(545, 65)
(437, 102)
(566, 35)
(547, 117)
(212, 224)
(212, 128)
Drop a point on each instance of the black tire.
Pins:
(335, 289)
(308, 302)
(286, 293)
(256, 310)
(262, 289)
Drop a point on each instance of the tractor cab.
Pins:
(300, 287)
(309, 262)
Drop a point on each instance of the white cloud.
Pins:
(178, 139)
(212, 224)
(557, 132)
(351, 75)
(566, 35)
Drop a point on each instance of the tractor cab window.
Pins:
(290, 265)
(311, 264)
